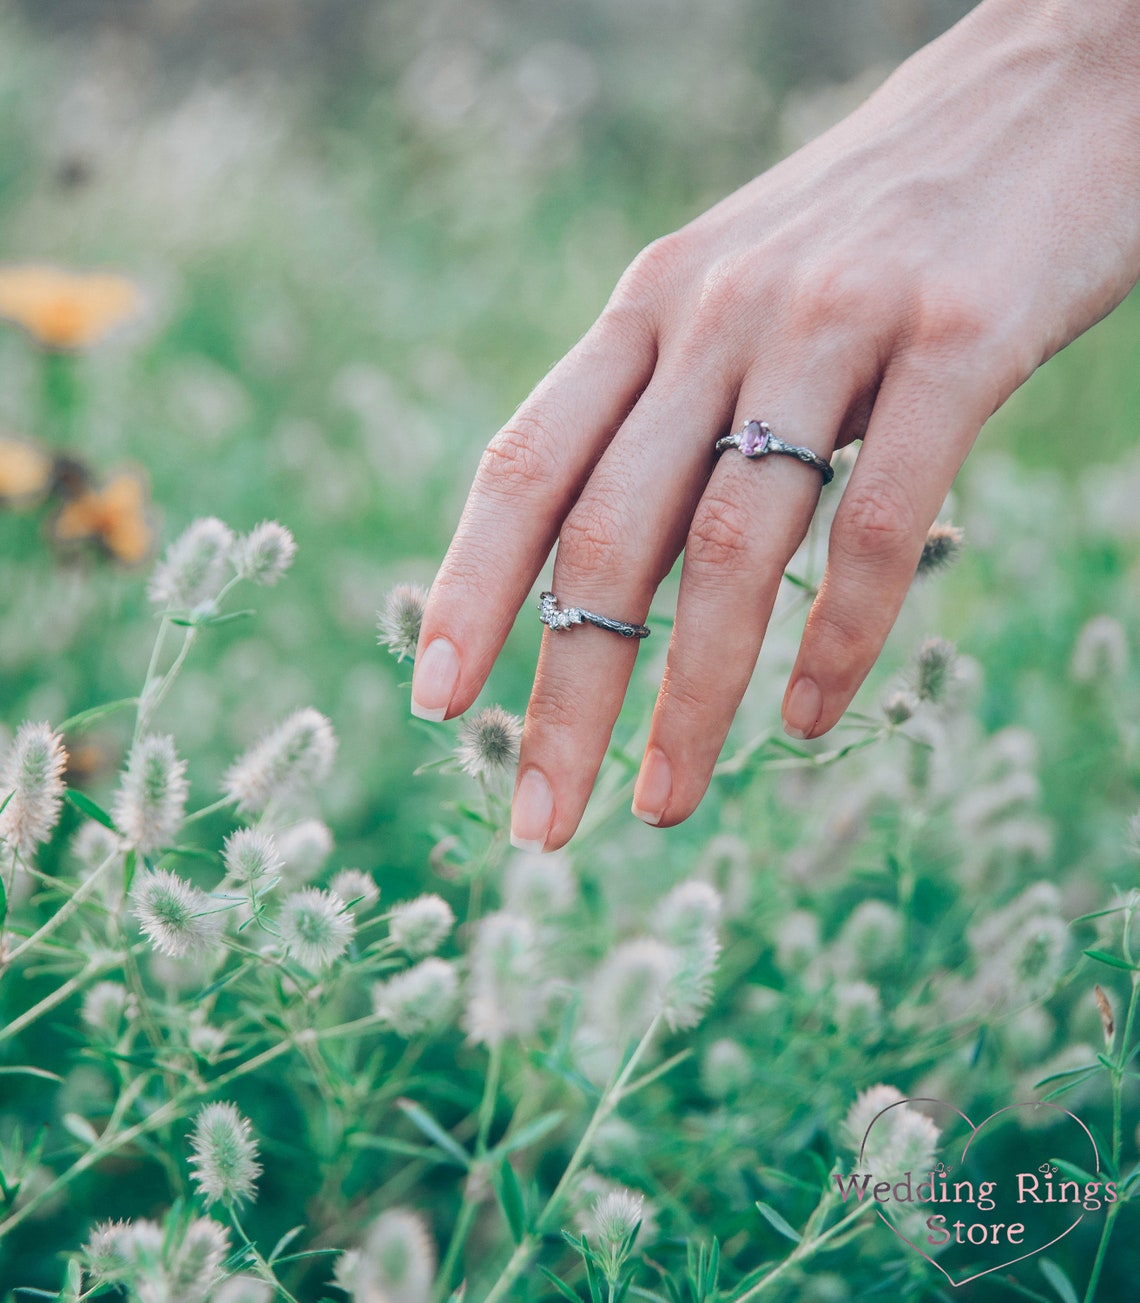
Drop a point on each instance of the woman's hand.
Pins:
(894, 281)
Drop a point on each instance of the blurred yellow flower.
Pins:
(114, 516)
(26, 471)
(67, 310)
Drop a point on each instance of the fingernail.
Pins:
(532, 812)
(654, 787)
(803, 708)
(434, 679)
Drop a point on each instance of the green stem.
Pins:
(264, 1269)
(57, 997)
(807, 1248)
(611, 1098)
(68, 908)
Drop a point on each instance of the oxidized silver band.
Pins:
(558, 617)
(755, 439)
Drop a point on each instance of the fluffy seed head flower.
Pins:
(92, 844)
(690, 989)
(103, 1008)
(151, 799)
(421, 926)
(422, 999)
(899, 706)
(942, 548)
(687, 912)
(870, 940)
(195, 566)
(539, 886)
(505, 995)
(934, 665)
(305, 847)
(251, 857)
(104, 1253)
(397, 1260)
(726, 1069)
(316, 927)
(265, 553)
(242, 1289)
(614, 1219)
(32, 780)
(197, 1264)
(489, 743)
(400, 620)
(900, 1139)
(797, 942)
(630, 988)
(177, 918)
(1100, 653)
(297, 754)
(224, 1153)
(357, 889)
(857, 1009)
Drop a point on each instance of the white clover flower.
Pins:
(870, 939)
(614, 1218)
(489, 743)
(105, 1253)
(225, 1155)
(265, 553)
(397, 1260)
(32, 781)
(591, 1189)
(1100, 653)
(900, 1140)
(420, 1000)
(899, 706)
(104, 1007)
(505, 995)
(195, 567)
(315, 927)
(419, 927)
(177, 918)
(690, 989)
(726, 1069)
(689, 911)
(305, 847)
(400, 620)
(858, 1010)
(251, 857)
(92, 844)
(197, 1263)
(357, 888)
(151, 800)
(539, 886)
(296, 755)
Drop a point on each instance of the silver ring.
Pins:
(755, 439)
(560, 617)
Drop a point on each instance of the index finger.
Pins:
(530, 475)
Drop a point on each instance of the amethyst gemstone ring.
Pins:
(755, 439)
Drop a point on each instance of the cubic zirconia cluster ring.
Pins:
(755, 439)
(555, 616)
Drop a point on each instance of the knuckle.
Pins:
(834, 292)
(518, 458)
(592, 536)
(720, 534)
(877, 525)
(949, 319)
(655, 271)
(552, 711)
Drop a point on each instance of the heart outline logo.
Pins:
(974, 1130)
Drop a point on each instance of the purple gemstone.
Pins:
(754, 439)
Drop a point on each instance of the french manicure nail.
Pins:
(532, 812)
(803, 708)
(434, 679)
(654, 787)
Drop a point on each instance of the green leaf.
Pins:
(423, 1121)
(1072, 1170)
(1069, 1072)
(3, 901)
(510, 1196)
(1059, 1281)
(777, 1222)
(1100, 913)
(529, 1134)
(80, 1128)
(560, 1286)
(1113, 961)
(77, 723)
(85, 805)
(1058, 1091)
(31, 1072)
(284, 1242)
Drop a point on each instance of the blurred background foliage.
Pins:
(364, 229)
